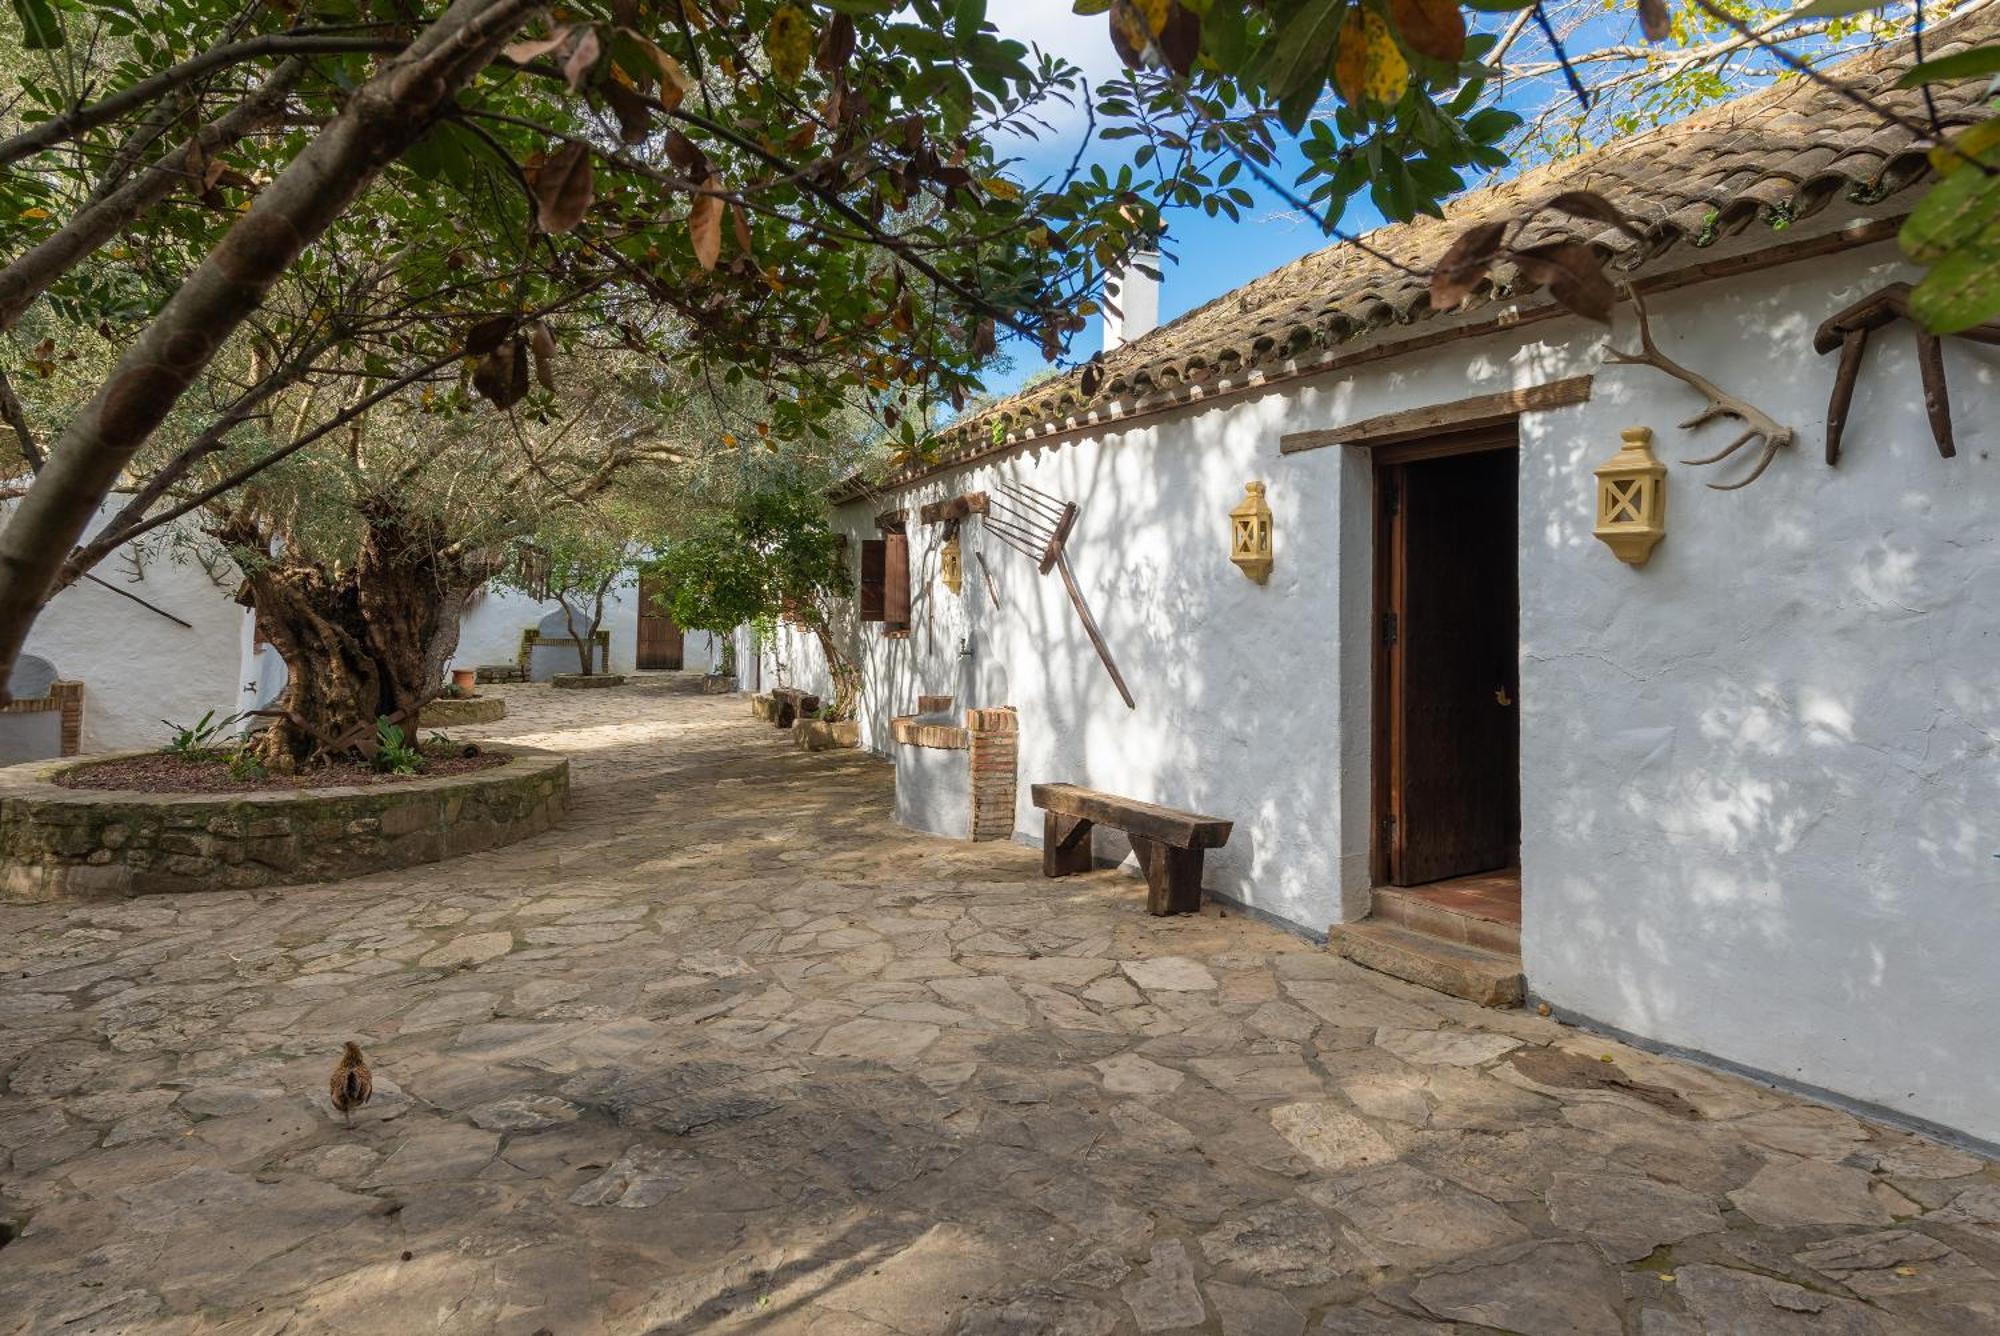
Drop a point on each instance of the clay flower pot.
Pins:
(464, 679)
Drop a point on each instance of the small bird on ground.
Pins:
(351, 1085)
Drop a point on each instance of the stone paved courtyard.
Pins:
(733, 1052)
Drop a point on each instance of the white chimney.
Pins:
(1132, 301)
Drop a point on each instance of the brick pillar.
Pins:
(995, 745)
(71, 696)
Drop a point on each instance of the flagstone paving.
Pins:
(732, 1052)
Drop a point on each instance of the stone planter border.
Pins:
(578, 682)
(60, 843)
(826, 735)
(458, 712)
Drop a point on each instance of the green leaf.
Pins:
(1305, 49)
(1961, 292)
(1955, 230)
(41, 31)
(1977, 63)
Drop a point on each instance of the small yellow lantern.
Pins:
(1632, 499)
(951, 562)
(1250, 534)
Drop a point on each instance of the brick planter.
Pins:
(825, 735)
(60, 843)
(764, 708)
(579, 682)
(718, 684)
(446, 712)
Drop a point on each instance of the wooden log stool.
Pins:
(1170, 843)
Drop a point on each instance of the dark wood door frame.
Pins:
(1387, 826)
(662, 644)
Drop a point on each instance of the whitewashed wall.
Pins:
(491, 633)
(1761, 775)
(136, 666)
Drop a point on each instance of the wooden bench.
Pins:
(791, 704)
(1170, 843)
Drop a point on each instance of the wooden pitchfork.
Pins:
(1037, 526)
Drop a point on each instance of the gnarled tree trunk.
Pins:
(361, 642)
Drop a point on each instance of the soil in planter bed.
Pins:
(165, 772)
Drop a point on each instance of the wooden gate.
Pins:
(661, 644)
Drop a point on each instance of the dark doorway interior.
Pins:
(1448, 735)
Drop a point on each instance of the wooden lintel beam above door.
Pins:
(1485, 410)
(957, 508)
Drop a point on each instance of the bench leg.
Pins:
(1065, 845)
(1173, 877)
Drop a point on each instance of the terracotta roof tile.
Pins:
(1789, 150)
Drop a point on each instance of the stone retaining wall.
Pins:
(60, 843)
(446, 712)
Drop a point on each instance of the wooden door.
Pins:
(661, 644)
(1448, 744)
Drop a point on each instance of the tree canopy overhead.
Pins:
(206, 204)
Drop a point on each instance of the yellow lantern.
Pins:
(1632, 499)
(951, 562)
(1250, 534)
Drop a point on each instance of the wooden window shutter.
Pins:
(874, 557)
(896, 583)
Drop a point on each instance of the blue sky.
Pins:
(1212, 255)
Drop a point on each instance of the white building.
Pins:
(1745, 797)
(190, 648)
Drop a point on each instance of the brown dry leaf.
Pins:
(543, 345)
(685, 154)
(836, 45)
(582, 59)
(674, 82)
(635, 117)
(1654, 20)
(1434, 28)
(983, 342)
(1590, 204)
(705, 226)
(1131, 35)
(740, 224)
(535, 48)
(564, 188)
(1462, 266)
(1573, 275)
(502, 375)
(485, 335)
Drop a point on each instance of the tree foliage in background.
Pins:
(770, 554)
(581, 556)
(806, 208)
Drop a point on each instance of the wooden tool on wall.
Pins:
(1038, 526)
(1848, 331)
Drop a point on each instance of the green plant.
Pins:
(452, 691)
(394, 753)
(193, 740)
(243, 763)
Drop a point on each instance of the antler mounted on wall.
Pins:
(1848, 331)
(1757, 423)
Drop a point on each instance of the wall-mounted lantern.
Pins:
(951, 561)
(1632, 498)
(1250, 534)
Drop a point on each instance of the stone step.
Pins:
(1489, 978)
(1453, 925)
